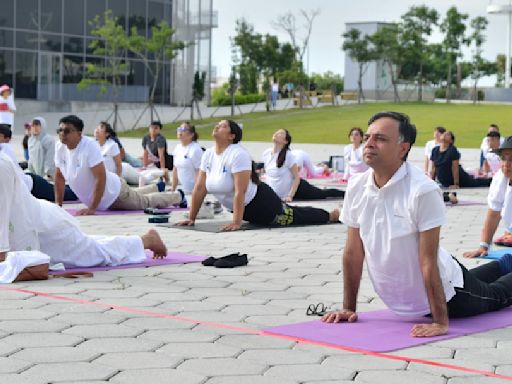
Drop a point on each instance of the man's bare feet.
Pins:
(153, 242)
(334, 215)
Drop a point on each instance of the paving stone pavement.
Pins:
(80, 333)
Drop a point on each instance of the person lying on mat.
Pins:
(353, 154)
(29, 224)
(79, 162)
(394, 214)
(227, 172)
(187, 158)
(308, 170)
(499, 201)
(446, 169)
(283, 173)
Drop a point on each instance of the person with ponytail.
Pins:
(283, 174)
(228, 173)
(187, 158)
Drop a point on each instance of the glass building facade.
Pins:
(44, 46)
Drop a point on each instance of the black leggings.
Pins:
(306, 191)
(466, 180)
(485, 289)
(42, 189)
(267, 209)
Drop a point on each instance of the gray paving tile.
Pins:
(398, 377)
(70, 371)
(12, 365)
(273, 357)
(138, 360)
(56, 354)
(42, 339)
(305, 372)
(102, 330)
(246, 379)
(121, 344)
(157, 376)
(222, 367)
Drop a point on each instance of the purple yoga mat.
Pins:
(73, 211)
(466, 203)
(383, 331)
(172, 258)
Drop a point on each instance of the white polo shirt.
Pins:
(280, 179)
(493, 160)
(187, 160)
(499, 198)
(389, 221)
(219, 171)
(75, 165)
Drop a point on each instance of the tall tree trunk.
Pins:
(420, 84)
(360, 84)
(449, 79)
(459, 80)
(396, 97)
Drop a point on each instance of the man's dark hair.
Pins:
(157, 123)
(406, 130)
(5, 130)
(75, 121)
(494, 126)
(440, 129)
(493, 134)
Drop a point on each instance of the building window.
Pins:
(51, 43)
(73, 69)
(51, 16)
(27, 40)
(6, 67)
(26, 75)
(93, 8)
(7, 14)
(74, 17)
(73, 44)
(27, 16)
(6, 38)
(118, 8)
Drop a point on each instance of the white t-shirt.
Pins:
(306, 167)
(389, 221)
(7, 149)
(75, 165)
(108, 150)
(493, 160)
(484, 147)
(499, 198)
(354, 162)
(7, 117)
(431, 144)
(187, 160)
(219, 171)
(279, 179)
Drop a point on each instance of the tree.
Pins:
(453, 28)
(388, 47)
(477, 37)
(417, 26)
(154, 52)
(357, 47)
(286, 23)
(111, 43)
(500, 70)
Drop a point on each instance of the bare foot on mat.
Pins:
(153, 242)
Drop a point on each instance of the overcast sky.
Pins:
(325, 53)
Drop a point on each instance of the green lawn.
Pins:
(331, 124)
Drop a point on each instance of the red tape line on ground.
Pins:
(261, 333)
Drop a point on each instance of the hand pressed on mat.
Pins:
(339, 316)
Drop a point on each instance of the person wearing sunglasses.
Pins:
(79, 162)
(41, 149)
(499, 201)
(27, 223)
(187, 158)
(228, 173)
(394, 213)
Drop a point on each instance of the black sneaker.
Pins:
(183, 202)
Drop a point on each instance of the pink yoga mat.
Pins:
(383, 331)
(73, 211)
(172, 258)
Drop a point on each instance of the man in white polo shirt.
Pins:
(79, 162)
(394, 214)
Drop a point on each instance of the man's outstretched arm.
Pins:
(353, 258)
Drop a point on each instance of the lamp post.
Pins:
(504, 10)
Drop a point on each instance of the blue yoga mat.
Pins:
(496, 253)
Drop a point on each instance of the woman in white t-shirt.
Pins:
(283, 173)
(308, 170)
(187, 158)
(353, 154)
(106, 138)
(227, 172)
(7, 106)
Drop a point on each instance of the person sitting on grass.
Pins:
(446, 168)
(79, 161)
(227, 172)
(394, 215)
(30, 224)
(499, 201)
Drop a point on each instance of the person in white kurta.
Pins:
(353, 154)
(30, 224)
(308, 170)
(187, 158)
